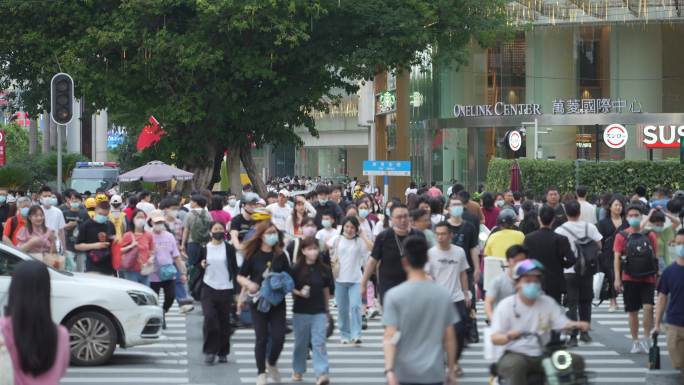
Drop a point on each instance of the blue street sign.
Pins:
(387, 167)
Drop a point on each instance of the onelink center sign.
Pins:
(498, 109)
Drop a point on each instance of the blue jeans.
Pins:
(310, 327)
(181, 292)
(194, 251)
(136, 277)
(348, 299)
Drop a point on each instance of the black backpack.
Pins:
(587, 252)
(639, 259)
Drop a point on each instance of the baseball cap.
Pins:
(284, 192)
(116, 199)
(528, 267)
(679, 194)
(250, 198)
(156, 216)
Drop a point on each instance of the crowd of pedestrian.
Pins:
(422, 262)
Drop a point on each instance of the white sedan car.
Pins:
(100, 312)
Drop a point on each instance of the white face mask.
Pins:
(158, 227)
(139, 223)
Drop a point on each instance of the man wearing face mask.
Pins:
(528, 311)
(15, 223)
(74, 215)
(326, 206)
(54, 219)
(95, 239)
(671, 296)
(233, 206)
(117, 216)
(636, 267)
(4, 207)
(553, 200)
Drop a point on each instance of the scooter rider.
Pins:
(528, 311)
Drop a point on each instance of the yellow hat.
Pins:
(90, 203)
(101, 198)
(261, 215)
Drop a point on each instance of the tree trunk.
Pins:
(203, 172)
(216, 173)
(252, 172)
(33, 136)
(233, 164)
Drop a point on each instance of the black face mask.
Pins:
(218, 236)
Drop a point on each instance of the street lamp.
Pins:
(535, 123)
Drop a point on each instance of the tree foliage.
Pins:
(226, 74)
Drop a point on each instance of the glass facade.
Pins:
(560, 86)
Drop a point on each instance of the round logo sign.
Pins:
(615, 136)
(514, 140)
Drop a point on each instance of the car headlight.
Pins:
(141, 298)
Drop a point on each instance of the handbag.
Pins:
(473, 334)
(147, 268)
(167, 272)
(331, 326)
(6, 368)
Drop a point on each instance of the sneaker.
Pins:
(209, 359)
(187, 308)
(636, 347)
(645, 346)
(323, 380)
(373, 312)
(297, 377)
(612, 308)
(261, 379)
(586, 338)
(364, 322)
(572, 342)
(223, 359)
(273, 372)
(356, 341)
(345, 342)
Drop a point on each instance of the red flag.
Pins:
(150, 134)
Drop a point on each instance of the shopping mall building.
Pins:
(587, 79)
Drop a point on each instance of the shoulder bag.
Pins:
(335, 257)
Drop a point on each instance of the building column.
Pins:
(73, 134)
(636, 53)
(100, 137)
(551, 70)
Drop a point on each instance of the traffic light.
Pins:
(62, 98)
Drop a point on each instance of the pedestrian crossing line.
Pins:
(380, 371)
(132, 380)
(129, 370)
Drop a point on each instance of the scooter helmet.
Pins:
(90, 203)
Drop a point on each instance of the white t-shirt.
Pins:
(147, 207)
(542, 317)
(216, 274)
(436, 218)
(410, 191)
(580, 229)
(54, 218)
(233, 211)
(365, 228)
(352, 254)
(587, 212)
(324, 235)
(378, 228)
(279, 215)
(445, 266)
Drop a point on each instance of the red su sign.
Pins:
(663, 136)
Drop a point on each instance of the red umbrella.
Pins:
(515, 176)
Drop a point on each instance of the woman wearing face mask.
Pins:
(348, 253)
(167, 261)
(137, 247)
(308, 231)
(365, 224)
(232, 206)
(310, 320)
(293, 224)
(384, 220)
(35, 238)
(218, 284)
(262, 253)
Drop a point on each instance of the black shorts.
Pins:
(637, 294)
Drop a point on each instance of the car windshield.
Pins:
(82, 185)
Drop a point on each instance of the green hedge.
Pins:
(616, 176)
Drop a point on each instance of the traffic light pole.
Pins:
(59, 157)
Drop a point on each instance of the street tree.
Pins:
(229, 75)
